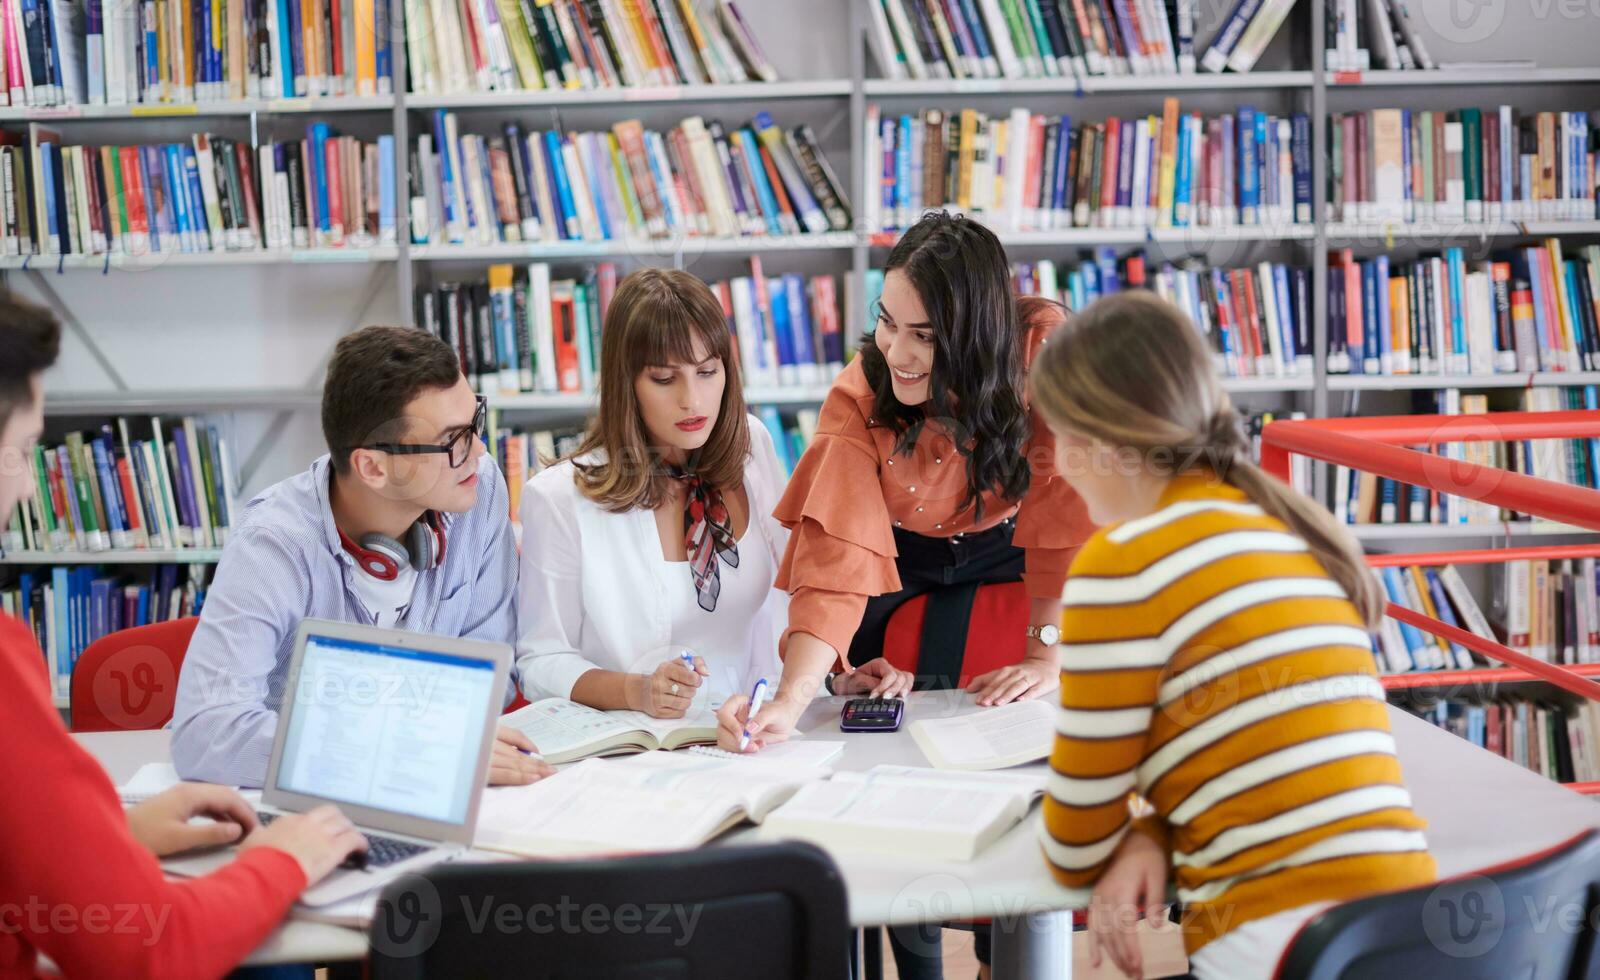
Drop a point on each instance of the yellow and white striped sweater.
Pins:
(1210, 665)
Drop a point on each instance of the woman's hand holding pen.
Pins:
(670, 689)
(516, 760)
(774, 722)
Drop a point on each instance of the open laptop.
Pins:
(394, 728)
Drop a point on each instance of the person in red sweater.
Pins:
(79, 882)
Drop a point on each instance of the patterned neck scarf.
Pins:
(708, 532)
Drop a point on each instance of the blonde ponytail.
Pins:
(1130, 371)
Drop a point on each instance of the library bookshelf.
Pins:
(262, 364)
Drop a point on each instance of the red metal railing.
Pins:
(1373, 445)
(1376, 445)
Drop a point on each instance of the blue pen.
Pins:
(536, 755)
(758, 694)
(687, 657)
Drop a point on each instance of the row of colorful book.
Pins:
(158, 51)
(501, 45)
(1023, 171)
(1525, 309)
(69, 608)
(1063, 38)
(105, 491)
(1365, 498)
(1556, 738)
(210, 194)
(54, 52)
(1439, 593)
(1256, 319)
(628, 183)
(1549, 609)
(1366, 34)
(520, 330)
(1462, 165)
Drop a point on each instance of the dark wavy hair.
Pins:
(961, 275)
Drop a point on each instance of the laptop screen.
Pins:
(386, 727)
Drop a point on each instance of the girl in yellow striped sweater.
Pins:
(1215, 661)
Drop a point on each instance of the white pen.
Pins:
(757, 695)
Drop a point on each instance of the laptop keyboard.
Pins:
(381, 851)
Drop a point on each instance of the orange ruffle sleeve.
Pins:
(841, 545)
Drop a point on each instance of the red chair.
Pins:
(995, 629)
(127, 681)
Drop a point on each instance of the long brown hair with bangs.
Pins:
(657, 318)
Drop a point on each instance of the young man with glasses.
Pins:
(405, 523)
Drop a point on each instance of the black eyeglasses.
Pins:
(458, 446)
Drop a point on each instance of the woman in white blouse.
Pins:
(656, 536)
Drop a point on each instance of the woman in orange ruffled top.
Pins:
(927, 469)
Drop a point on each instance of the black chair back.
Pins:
(724, 913)
(1535, 919)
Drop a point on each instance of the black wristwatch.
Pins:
(827, 681)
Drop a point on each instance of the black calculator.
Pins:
(872, 715)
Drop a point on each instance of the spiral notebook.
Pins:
(795, 752)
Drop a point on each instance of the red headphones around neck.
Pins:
(382, 556)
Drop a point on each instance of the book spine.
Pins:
(1227, 37)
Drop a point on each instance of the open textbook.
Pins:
(989, 738)
(657, 801)
(566, 731)
(907, 810)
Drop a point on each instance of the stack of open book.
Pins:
(662, 800)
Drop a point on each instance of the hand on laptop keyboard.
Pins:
(381, 851)
(318, 840)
